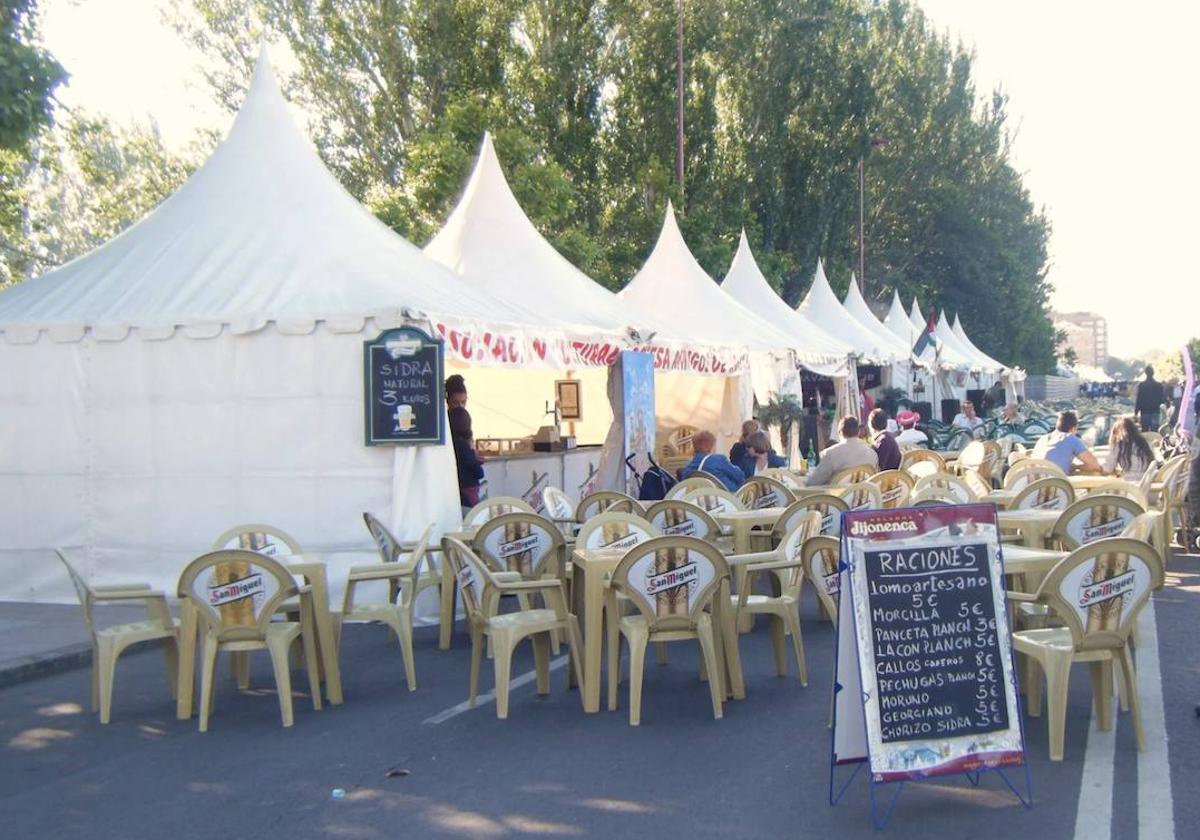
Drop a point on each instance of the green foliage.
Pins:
(782, 101)
(28, 76)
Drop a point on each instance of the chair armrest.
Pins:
(120, 587)
(775, 565)
(1027, 597)
(381, 571)
(508, 577)
(127, 594)
(752, 557)
(529, 585)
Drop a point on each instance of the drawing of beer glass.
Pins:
(404, 418)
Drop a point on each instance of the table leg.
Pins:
(327, 638)
(593, 639)
(446, 611)
(187, 660)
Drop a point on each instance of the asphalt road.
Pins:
(549, 770)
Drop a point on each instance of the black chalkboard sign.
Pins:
(934, 641)
(404, 388)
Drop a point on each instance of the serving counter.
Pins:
(525, 474)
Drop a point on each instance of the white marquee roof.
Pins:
(984, 359)
(916, 318)
(822, 307)
(673, 286)
(746, 283)
(856, 305)
(900, 324)
(261, 232)
(953, 352)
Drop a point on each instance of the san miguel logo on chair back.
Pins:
(892, 490)
(671, 581)
(617, 535)
(1047, 498)
(1105, 592)
(825, 568)
(517, 547)
(1102, 521)
(235, 592)
(676, 522)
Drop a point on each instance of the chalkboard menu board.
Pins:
(934, 647)
(404, 389)
(925, 683)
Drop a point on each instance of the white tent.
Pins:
(986, 361)
(900, 350)
(900, 324)
(822, 307)
(916, 318)
(819, 351)
(204, 368)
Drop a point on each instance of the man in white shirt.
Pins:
(853, 451)
(966, 419)
(909, 433)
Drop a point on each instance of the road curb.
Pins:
(60, 660)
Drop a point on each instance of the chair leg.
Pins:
(541, 661)
(283, 679)
(208, 667)
(575, 645)
(793, 621)
(779, 645)
(476, 656)
(95, 677)
(709, 651)
(1118, 674)
(1135, 702)
(1102, 683)
(171, 654)
(107, 666)
(502, 663)
(660, 653)
(410, 665)
(637, 667)
(312, 663)
(1031, 681)
(614, 663)
(1058, 678)
(240, 663)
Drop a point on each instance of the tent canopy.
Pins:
(984, 359)
(261, 232)
(951, 350)
(858, 309)
(916, 318)
(900, 324)
(821, 306)
(746, 283)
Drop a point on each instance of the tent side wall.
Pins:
(137, 453)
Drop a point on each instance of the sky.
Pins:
(1100, 99)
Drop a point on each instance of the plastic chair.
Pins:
(762, 491)
(895, 487)
(1120, 487)
(1031, 469)
(672, 582)
(481, 590)
(603, 501)
(679, 442)
(108, 644)
(953, 484)
(1116, 576)
(1173, 499)
(786, 562)
(820, 554)
(677, 518)
(525, 543)
(1044, 494)
(261, 539)
(1094, 518)
(862, 496)
(615, 530)
(495, 506)
(786, 477)
(236, 592)
(922, 462)
(851, 475)
(559, 509)
(391, 550)
(695, 481)
(830, 508)
(714, 500)
(405, 576)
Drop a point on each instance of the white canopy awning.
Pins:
(951, 351)
(746, 283)
(822, 307)
(984, 359)
(916, 318)
(856, 305)
(261, 233)
(900, 324)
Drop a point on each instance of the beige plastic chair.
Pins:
(786, 477)
(403, 576)
(236, 592)
(108, 644)
(604, 501)
(495, 506)
(922, 462)
(558, 507)
(862, 496)
(481, 590)
(895, 487)
(1094, 518)
(830, 508)
(677, 518)
(1116, 575)
(762, 491)
(786, 563)
(1031, 469)
(1173, 500)
(695, 481)
(672, 582)
(961, 491)
(679, 442)
(851, 475)
(1119, 487)
(978, 486)
(714, 500)
(931, 495)
(615, 530)
(820, 555)
(981, 457)
(1044, 494)
(521, 542)
(259, 538)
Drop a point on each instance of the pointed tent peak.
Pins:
(854, 294)
(896, 299)
(917, 318)
(957, 325)
(743, 241)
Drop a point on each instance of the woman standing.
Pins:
(470, 468)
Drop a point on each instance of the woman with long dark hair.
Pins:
(1128, 450)
(470, 468)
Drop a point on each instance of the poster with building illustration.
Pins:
(638, 393)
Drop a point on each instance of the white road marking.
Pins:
(1093, 815)
(490, 696)
(1156, 809)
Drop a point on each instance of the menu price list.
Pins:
(937, 658)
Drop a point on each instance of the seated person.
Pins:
(883, 441)
(1063, 446)
(1128, 450)
(966, 419)
(714, 464)
(738, 451)
(909, 433)
(853, 451)
(759, 455)
(1011, 414)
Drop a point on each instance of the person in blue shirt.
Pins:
(759, 455)
(713, 463)
(1063, 446)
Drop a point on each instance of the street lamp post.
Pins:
(876, 143)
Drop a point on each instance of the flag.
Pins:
(925, 350)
